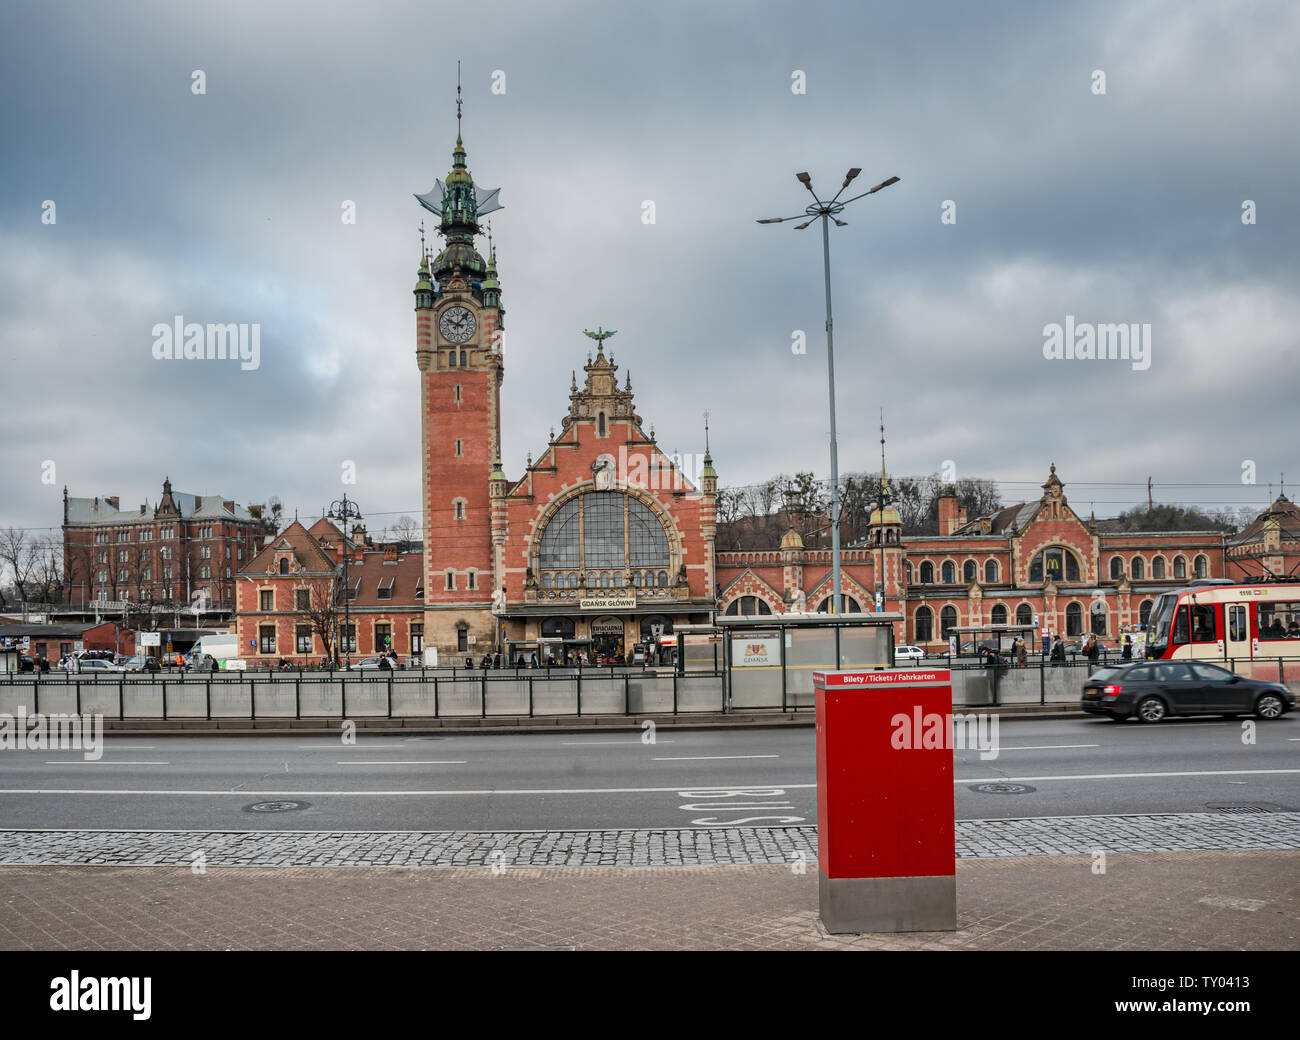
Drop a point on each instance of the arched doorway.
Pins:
(607, 639)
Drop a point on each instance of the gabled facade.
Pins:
(1032, 563)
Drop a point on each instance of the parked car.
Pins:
(908, 653)
(366, 664)
(97, 666)
(1153, 690)
(139, 663)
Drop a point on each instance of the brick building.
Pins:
(1034, 562)
(602, 540)
(291, 592)
(186, 545)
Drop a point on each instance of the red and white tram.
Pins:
(1255, 625)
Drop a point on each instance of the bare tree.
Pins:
(18, 557)
(404, 534)
(47, 569)
(322, 610)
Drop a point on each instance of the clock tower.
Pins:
(458, 349)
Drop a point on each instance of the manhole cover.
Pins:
(260, 807)
(1003, 788)
(1242, 809)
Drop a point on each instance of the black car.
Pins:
(1152, 690)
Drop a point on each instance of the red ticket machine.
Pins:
(886, 813)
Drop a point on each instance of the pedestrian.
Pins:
(469, 662)
(1092, 650)
(1127, 653)
(1022, 655)
(532, 660)
(1058, 651)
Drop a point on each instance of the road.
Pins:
(556, 781)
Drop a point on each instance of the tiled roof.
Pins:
(301, 544)
(1285, 512)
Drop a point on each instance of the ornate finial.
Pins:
(422, 249)
(652, 433)
(706, 433)
(457, 100)
(552, 438)
(573, 381)
(628, 383)
(530, 460)
(600, 335)
(1053, 469)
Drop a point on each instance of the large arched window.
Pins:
(557, 628)
(1074, 620)
(1202, 567)
(1024, 614)
(924, 624)
(747, 605)
(998, 615)
(968, 571)
(990, 571)
(1180, 567)
(1158, 568)
(851, 606)
(907, 569)
(947, 621)
(1138, 568)
(1055, 563)
(1116, 568)
(949, 573)
(1144, 612)
(927, 573)
(604, 530)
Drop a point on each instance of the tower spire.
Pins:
(458, 100)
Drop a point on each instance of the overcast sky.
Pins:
(226, 207)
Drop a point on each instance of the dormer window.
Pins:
(284, 565)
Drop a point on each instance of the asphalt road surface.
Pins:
(556, 781)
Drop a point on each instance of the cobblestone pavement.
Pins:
(739, 846)
(1143, 901)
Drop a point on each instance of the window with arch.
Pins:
(1144, 612)
(606, 530)
(458, 393)
(1074, 620)
(1024, 614)
(1056, 563)
(947, 621)
(546, 581)
(573, 580)
(949, 573)
(1137, 568)
(284, 565)
(748, 605)
(459, 508)
(1097, 611)
(851, 605)
(459, 453)
(558, 628)
(998, 615)
(1158, 568)
(907, 571)
(1201, 568)
(968, 571)
(600, 424)
(924, 624)
(451, 580)
(462, 359)
(1116, 568)
(663, 579)
(605, 580)
(927, 573)
(990, 571)
(1180, 567)
(451, 358)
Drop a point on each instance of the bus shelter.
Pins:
(769, 660)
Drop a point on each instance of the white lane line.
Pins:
(710, 758)
(706, 788)
(1123, 776)
(1045, 747)
(340, 746)
(87, 762)
(596, 743)
(409, 762)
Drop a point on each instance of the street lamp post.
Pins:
(826, 211)
(343, 511)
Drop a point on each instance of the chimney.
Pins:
(198, 501)
(111, 501)
(390, 553)
(229, 506)
(951, 514)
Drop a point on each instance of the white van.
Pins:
(218, 648)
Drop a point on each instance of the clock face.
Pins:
(457, 324)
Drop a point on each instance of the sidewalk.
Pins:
(1144, 901)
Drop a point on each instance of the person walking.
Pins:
(1022, 655)
(1127, 653)
(1092, 650)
